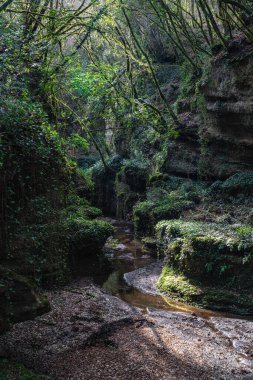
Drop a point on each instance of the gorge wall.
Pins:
(218, 141)
(214, 141)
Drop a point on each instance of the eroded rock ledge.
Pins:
(145, 279)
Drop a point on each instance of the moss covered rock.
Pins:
(131, 183)
(208, 252)
(146, 214)
(20, 299)
(180, 287)
(87, 236)
(240, 183)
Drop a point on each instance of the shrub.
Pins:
(146, 214)
(239, 183)
(87, 236)
(80, 207)
(134, 173)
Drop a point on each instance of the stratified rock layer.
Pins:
(227, 132)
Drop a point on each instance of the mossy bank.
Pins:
(207, 264)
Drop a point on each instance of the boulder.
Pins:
(20, 299)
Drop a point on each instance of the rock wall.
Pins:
(228, 128)
(215, 139)
(218, 142)
(184, 153)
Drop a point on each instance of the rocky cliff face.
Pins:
(184, 153)
(228, 129)
(214, 142)
(219, 143)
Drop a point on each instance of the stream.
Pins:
(88, 334)
(127, 254)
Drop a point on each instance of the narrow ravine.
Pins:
(127, 254)
(100, 328)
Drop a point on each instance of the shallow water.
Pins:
(127, 254)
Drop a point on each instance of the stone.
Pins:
(20, 299)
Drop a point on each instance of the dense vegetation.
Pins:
(98, 100)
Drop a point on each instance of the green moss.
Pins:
(134, 173)
(239, 183)
(130, 185)
(87, 236)
(146, 214)
(185, 289)
(208, 252)
(166, 200)
(10, 370)
(172, 283)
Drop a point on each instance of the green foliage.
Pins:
(237, 189)
(167, 199)
(191, 83)
(180, 287)
(239, 183)
(210, 252)
(146, 214)
(80, 207)
(87, 236)
(93, 81)
(244, 230)
(77, 141)
(35, 179)
(186, 79)
(86, 176)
